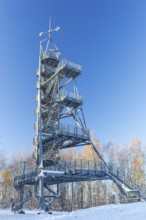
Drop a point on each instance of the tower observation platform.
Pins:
(58, 101)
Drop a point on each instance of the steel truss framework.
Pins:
(56, 104)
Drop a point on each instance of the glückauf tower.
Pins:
(60, 125)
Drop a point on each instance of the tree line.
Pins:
(78, 195)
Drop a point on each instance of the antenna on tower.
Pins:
(50, 30)
(49, 39)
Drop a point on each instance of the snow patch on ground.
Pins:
(135, 211)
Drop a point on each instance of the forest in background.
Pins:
(73, 196)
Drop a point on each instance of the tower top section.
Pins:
(47, 46)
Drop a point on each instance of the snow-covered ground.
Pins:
(135, 211)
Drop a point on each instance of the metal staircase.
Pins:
(19, 206)
(55, 104)
(85, 170)
(126, 184)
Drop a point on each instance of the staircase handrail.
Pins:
(123, 176)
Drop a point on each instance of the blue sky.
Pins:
(108, 37)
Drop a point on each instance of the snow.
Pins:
(44, 172)
(134, 211)
(53, 172)
(41, 174)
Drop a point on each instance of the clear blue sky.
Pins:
(108, 37)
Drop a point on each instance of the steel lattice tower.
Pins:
(55, 104)
(58, 102)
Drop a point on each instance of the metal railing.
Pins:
(84, 166)
(123, 177)
(70, 64)
(25, 177)
(81, 166)
(73, 131)
(70, 95)
(52, 55)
